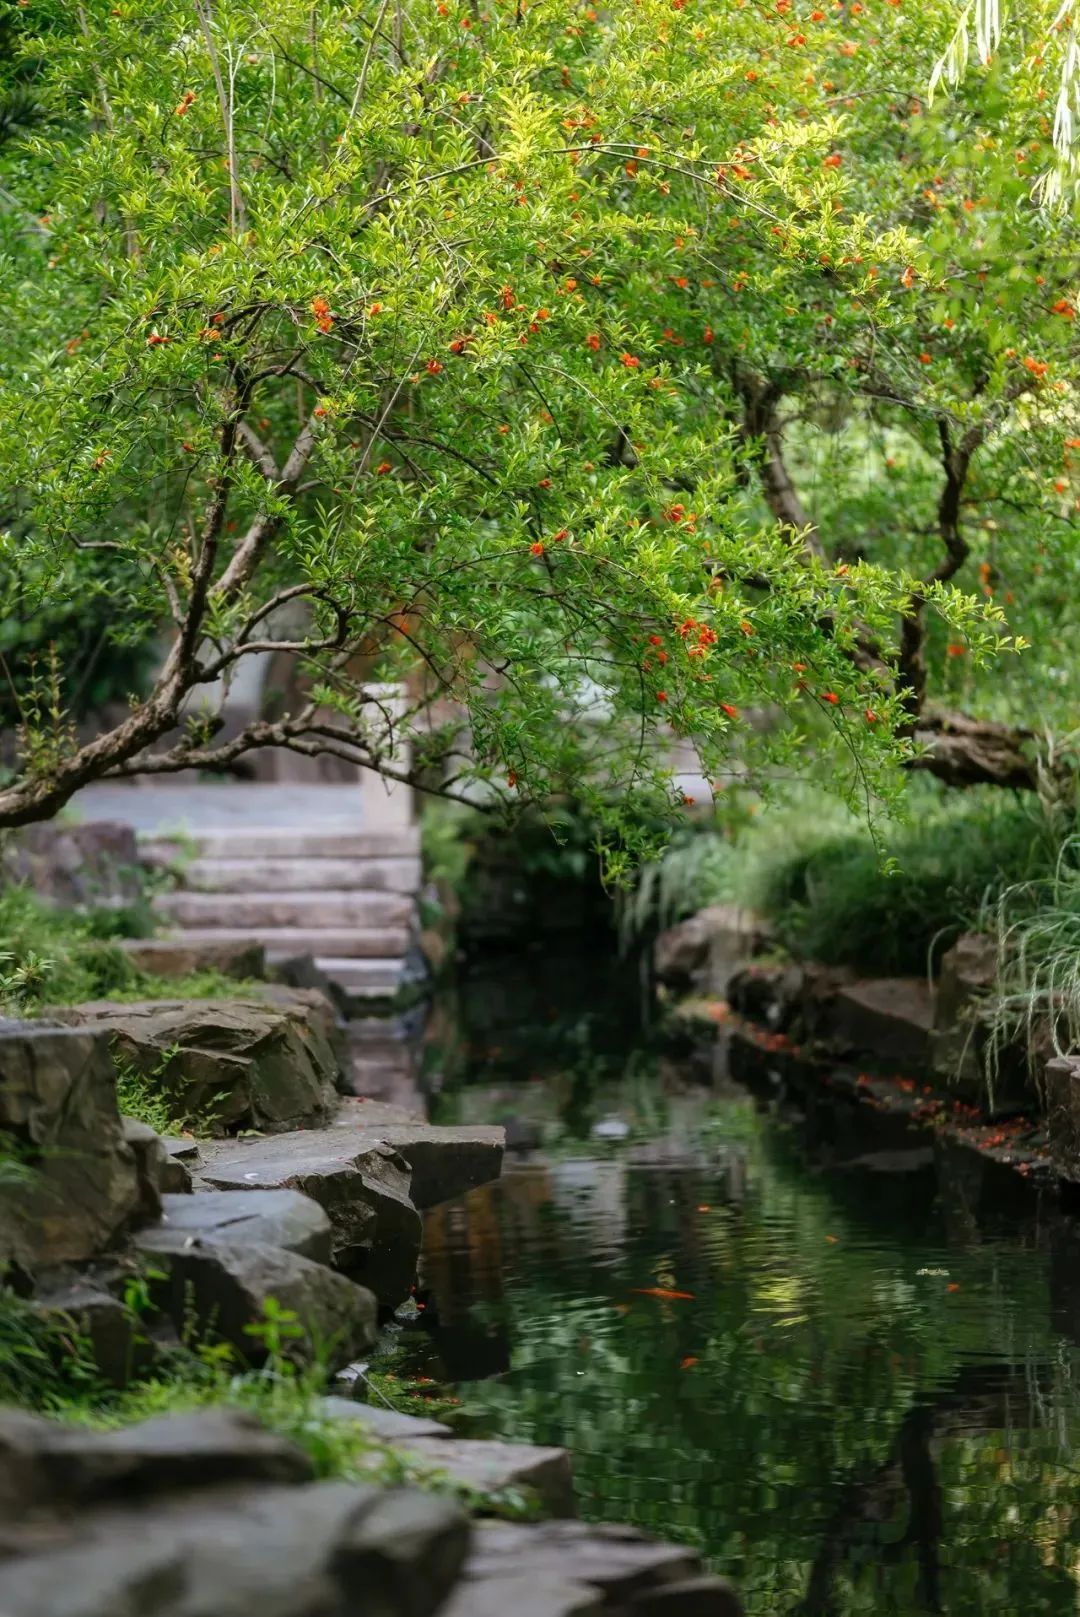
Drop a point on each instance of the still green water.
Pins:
(846, 1374)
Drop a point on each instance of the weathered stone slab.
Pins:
(317, 1550)
(321, 907)
(445, 1161)
(58, 1101)
(184, 1153)
(293, 842)
(177, 957)
(521, 1595)
(362, 1184)
(271, 1217)
(387, 1424)
(489, 1466)
(886, 1017)
(226, 1288)
(619, 1561)
(48, 1463)
(242, 1061)
(260, 873)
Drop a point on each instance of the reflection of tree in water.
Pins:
(840, 1435)
(982, 1399)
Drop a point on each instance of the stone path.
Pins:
(210, 1512)
(301, 870)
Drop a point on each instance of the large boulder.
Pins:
(361, 1183)
(445, 1160)
(222, 1291)
(203, 1513)
(704, 951)
(74, 1185)
(887, 1018)
(245, 1063)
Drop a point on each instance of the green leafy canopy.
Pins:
(420, 341)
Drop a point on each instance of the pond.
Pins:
(836, 1369)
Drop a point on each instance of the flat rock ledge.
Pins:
(211, 1512)
(323, 1219)
(368, 1171)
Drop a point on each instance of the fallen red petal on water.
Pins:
(832, 1239)
(954, 1285)
(663, 1291)
(688, 1363)
(703, 1207)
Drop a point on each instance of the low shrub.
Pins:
(53, 956)
(833, 892)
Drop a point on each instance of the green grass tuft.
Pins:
(52, 956)
(834, 894)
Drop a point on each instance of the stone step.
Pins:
(374, 977)
(300, 908)
(282, 873)
(282, 942)
(248, 842)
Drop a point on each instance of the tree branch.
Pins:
(956, 461)
(762, 434)
(249, 551)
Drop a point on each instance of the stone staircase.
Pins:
(346, 898)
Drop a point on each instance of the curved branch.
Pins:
(956, 461)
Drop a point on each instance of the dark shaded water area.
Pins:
(842, 1367)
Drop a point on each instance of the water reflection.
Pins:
(832, 1363)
